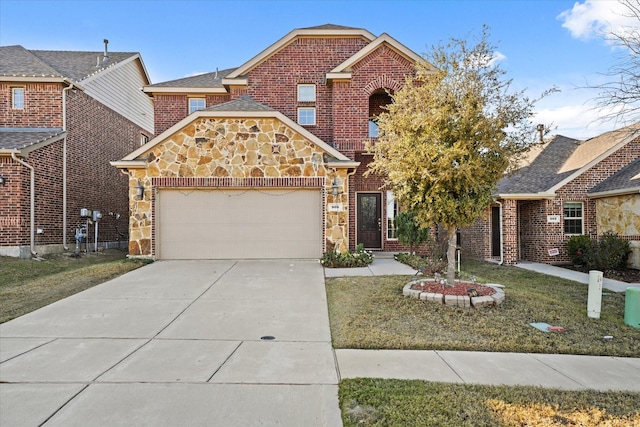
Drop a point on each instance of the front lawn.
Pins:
(26, 284)
(376, 402)
(371, 313)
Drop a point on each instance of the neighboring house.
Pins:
(266, 160)
(63, 117)
(566, 187)
(618, 207)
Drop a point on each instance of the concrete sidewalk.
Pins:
(576, 276)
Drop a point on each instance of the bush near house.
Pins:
(335, 259)
(608, 253)
(578, 246)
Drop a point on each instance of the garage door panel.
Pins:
(214, 224)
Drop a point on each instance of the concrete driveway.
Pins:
(177, 343)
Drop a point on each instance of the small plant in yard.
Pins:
(409, 232)
(358, 258)
(578, 247)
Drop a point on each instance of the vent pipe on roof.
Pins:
(216, 72)
(540, 129)
(105, 58)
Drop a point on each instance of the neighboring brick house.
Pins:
(63, 116)
(266, 160)
(566, 187)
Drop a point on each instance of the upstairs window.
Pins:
(307, 116)
(373, 128)
(573, 218)
(17, 98)
(306, 93)
(196, 104)
(143, 139)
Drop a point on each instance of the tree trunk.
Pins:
(451, 255)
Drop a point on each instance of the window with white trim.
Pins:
(392, 213)
(573, 218)
(306, 93)
(196, 104)
(307, 116)
(143, 139)
(17, 98)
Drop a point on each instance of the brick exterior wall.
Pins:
(42, 105)
(95, 136)
(528, 235)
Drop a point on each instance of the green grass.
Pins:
(26, 285)
(371, 313)
(377, 402)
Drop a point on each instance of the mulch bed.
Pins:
(459, 288)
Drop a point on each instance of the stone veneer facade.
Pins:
(234, 153)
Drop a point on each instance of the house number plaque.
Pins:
(335, 207)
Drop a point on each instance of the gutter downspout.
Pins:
(64, 167)
(33, 200)
(501, 242)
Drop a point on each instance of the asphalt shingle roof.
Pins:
(74, 65)
(242, 103)
(543, 172)
(626, 178)
(16, 139)
(213, 79)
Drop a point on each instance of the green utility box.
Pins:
(632, 307)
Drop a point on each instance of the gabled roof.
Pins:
(242, 103)
(625, 181)
(194, 84)
(242, 107)
(26, 139)
(560, 161)
(17, 62)
(326, 30)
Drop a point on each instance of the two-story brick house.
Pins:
(63, 116)
(267, 159)
(565, 187)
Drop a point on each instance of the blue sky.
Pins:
(542, 44)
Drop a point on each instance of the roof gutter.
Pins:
(612, 193)
(526, 196)
(32, 202)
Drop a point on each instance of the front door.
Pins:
(370, 220)
(495, 231)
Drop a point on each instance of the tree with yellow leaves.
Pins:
(451, 133)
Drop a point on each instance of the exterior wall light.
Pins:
(3, 180)
(335, 186)
(140, 191)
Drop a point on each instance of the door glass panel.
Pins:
(368, 209)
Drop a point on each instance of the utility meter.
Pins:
(97, 216)
(85, 213)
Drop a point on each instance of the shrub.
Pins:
(578, 247)
(409, 231)
(359, 258)
(610, 252)
(429, 265)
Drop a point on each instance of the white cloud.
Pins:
(597, 19)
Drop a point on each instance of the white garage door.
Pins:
(227, 224)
